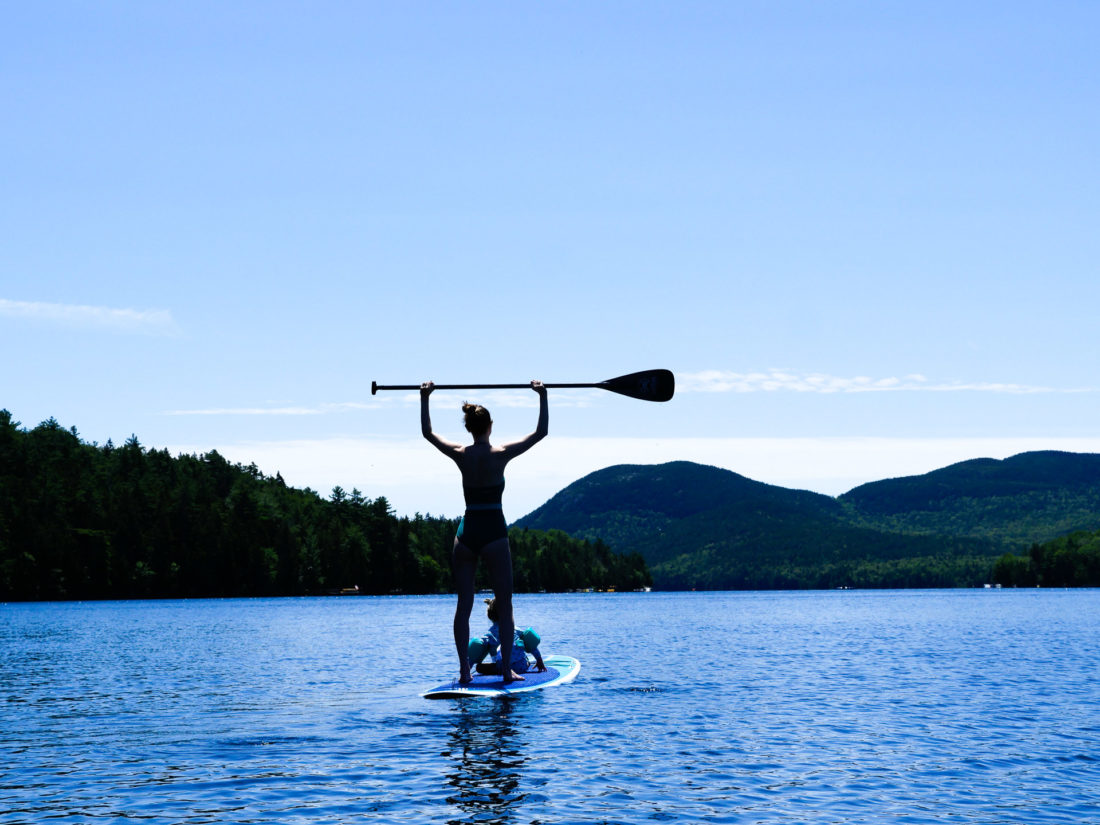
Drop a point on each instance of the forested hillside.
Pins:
(1014, 502)
(83, 521)
(706, 527)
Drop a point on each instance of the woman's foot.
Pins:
(513, 677)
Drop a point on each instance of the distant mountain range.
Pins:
(703, 527)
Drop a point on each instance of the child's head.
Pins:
(491, 610)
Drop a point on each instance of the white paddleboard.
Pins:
(559, 670)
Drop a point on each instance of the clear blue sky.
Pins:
(863, 235)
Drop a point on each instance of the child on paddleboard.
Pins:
(524, 647)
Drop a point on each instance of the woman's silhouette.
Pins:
(483, 532)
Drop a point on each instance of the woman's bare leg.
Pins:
(498, 557)
(463, 567)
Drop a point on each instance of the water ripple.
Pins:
(929, 708)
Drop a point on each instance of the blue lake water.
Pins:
(821, 707)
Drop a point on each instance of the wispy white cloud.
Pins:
(141, 321)
(248, 411)
(319, 409)
(789, 381)
(504, 399)
(494, 399)
(517, 399)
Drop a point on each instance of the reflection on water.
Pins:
(485, 747)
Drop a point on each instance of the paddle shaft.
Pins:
(374, 387)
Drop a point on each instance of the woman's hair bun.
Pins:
(477, 418)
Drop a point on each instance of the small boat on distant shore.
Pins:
(344, 591)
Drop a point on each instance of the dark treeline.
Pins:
(885, 573)
(1068, 561)
(84, 521)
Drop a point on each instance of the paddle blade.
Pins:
(651, 385)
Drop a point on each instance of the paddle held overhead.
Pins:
(649, 385)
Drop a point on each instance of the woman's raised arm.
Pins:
(542, 429)
(446, 447)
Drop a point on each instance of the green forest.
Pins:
(89, 521)
(1067, 561)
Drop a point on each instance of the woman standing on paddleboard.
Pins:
(483, 532)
